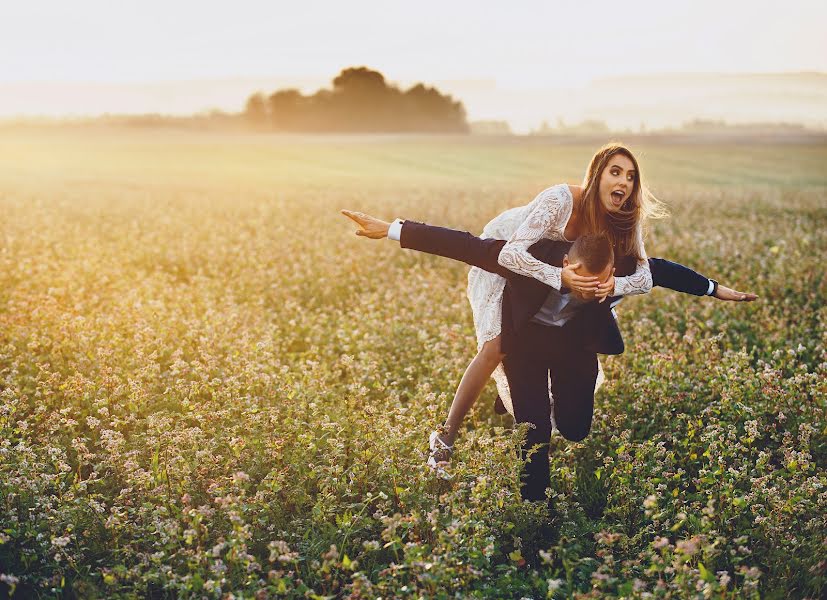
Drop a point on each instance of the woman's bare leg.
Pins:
(471, 386)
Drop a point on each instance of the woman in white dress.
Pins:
(612, 200)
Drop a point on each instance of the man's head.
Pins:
(596, 257)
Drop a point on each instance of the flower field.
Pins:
(209, 387)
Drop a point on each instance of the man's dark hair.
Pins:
(593, 251)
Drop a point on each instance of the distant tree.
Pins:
(255, 111)
(360, 80)
(361, 100)
(286, 109)
(437, 112)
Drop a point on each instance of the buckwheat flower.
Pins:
(554, 585)
(332, 554)
(218, 567)
(805, 431)
(253, 565)
(660, 542)
(279, 550)
(688, 547)
(433, 517)
(61, 542)
(240, 477)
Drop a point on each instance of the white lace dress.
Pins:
(544, 217)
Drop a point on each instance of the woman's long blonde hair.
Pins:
(621, 226)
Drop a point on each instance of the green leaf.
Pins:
(705, 574)
(625, 589)
(677, 526)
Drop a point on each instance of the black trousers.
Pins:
(541, 352)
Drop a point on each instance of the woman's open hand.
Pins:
(369, 227)
(728, 294)
(579, 283)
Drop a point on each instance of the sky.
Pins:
(528, 45)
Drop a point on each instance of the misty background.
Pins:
(626, 102)
(536, 66)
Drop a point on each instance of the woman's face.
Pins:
(616, 182)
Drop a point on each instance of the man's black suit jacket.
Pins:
(594, 326)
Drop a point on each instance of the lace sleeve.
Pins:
(640, 282)
(548, 216)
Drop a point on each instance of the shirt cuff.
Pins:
(711, 288)
(395, 230)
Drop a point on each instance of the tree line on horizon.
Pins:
(360, 101)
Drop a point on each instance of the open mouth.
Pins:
(617, 198)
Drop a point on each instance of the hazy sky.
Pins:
(526, 45)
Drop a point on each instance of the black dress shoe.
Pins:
(499, 407)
